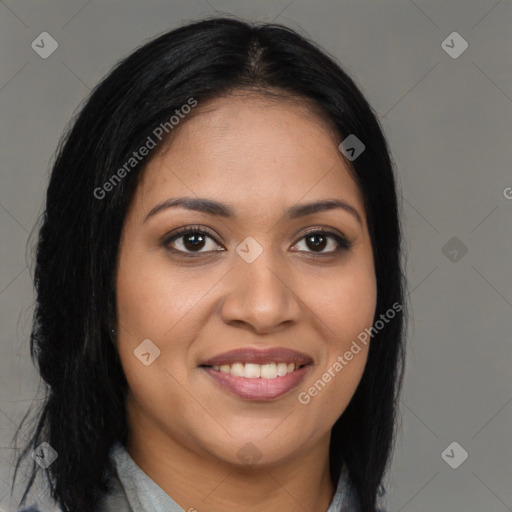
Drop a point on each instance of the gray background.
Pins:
(448, 122)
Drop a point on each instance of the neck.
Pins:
(203, 483)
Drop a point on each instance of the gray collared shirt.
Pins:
(134, 491)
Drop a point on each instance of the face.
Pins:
(248, 295)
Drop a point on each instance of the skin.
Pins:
(260, 157)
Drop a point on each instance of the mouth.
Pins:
(257, 371)
(256, 374)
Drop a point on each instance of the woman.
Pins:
(219, 312)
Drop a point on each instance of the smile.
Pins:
(258, 374)
(255, 371)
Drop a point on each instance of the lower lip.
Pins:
(258, 388)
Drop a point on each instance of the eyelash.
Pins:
(342, 243)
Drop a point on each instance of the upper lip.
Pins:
(259, 356)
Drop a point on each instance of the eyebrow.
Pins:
(215, 208)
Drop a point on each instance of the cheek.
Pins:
(345, 302)
(166, 307)
(349, 317)
(149, 305)
(152, 299)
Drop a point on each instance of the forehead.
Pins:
(253, 150)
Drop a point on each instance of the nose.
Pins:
(260, 297)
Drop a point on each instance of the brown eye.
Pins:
(192, 241)
(316, 242)
(319, 241)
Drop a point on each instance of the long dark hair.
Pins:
(71, 342)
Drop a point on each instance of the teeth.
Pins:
(269, 371)
(254, 371)
(282, 369)
(237, 369)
